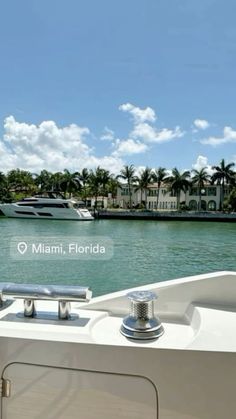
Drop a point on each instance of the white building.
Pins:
(166, 200)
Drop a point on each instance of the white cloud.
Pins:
(128, 147)
(46, 146)
(201, 124)
(150, 134)
(112, 163)
(202, 162)
(229, 136)
(139, 115)
(108, 134)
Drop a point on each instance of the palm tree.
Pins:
(144, 181)
(178, 182)
(84, 178)
(70, 182)
(3, 181)
(104, 180)
(43, 180)
(95, 182)
(55, 181)
(200, 178)
(128, 174)
(5, 194)
(231, 201)
(158, 177)
(21, 181)
(112, 187)
(223, 175)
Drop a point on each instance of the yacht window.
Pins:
(44, 214)
(24, 212)
(42, 205)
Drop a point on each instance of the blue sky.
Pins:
(137, 73)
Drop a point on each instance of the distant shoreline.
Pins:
(165, 216)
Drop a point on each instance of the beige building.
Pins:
(210, 198)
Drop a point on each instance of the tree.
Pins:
(43, 180)
(223, 175)
(21, 181)
(158, 177)
(144, 181)
(95, 183)
(178, 182)
(70, 182)
(5, 194)
(112, 186)
(231, 200)
(128, 174)
(104, 180)
(55, 182)
(84, 179)
(200, 177)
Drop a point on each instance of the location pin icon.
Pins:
(22, 247)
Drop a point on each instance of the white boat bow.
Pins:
(80, 364)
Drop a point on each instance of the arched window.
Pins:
(193, 205)
(212, 205)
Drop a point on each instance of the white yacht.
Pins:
(117, 357)
(50, 206)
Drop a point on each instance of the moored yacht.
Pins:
(50, 206)
(117, 357)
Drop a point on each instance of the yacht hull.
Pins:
(16, 211)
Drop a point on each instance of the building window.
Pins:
(193, 191)
(211, 191)
(152, 192)
(124, 191)
(212, 205)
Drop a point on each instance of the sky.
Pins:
(150, 83)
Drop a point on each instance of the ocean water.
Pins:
(143, 252)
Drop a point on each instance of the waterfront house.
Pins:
(166, 200)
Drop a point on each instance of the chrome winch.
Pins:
(141, 323)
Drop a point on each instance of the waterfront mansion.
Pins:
(166, 200)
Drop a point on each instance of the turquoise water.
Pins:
(144, 252)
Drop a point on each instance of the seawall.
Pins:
(166, 216)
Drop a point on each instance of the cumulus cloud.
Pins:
(201, 163)
(108, 134)
(128, 147)
(201, 124)
(143, 129)
(47, 146)
(139, 115)
(229, 136)
(151, 134)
